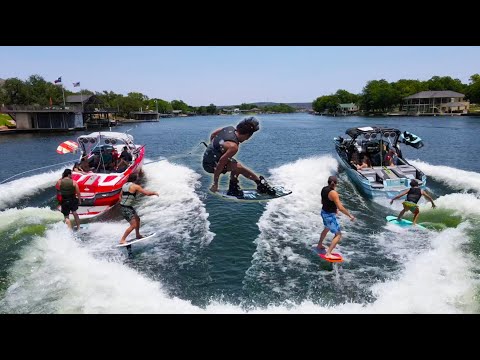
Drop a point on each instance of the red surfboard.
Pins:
(321, 253)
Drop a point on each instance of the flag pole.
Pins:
(63, 92)
(81, 98)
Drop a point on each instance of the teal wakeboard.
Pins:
(403, 223)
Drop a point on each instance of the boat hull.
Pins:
(102, 191)
(390, 189)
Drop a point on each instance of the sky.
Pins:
(229, 75)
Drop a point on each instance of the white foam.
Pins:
(463, 204)
(455, 178)
(15, 190)
(299, 211)
(28, 215)
(56, 275)
(437, 280)
(291, 220)
(178, 211)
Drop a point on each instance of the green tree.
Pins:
(15, 92)
(180, 105)
(245, 106)
(445, 83)
(473, 90)
(201, 110)
(327, 103)
(279, 108)
(379, 95)
(37, 90)
(134, 101)
(109, 99)
(406, 88)
(164, 107)
(211, 109)
(345, 97)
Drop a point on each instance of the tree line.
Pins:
(35, 90)
(382, 96)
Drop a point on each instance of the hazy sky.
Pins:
(202, 75)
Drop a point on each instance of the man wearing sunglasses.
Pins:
(331, 204)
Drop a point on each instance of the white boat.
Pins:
(379, 180)
(100, 188)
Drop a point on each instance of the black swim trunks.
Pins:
(128, 212)
(210, 161)
(69, 205)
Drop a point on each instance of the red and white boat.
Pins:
(100, 188)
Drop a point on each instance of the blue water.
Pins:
(217, 255)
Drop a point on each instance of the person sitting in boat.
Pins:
(355, 159)
(107, 160)
(84, 164)
(94, 162)
(125, 155)
(390, 157)
(115, 157)
(77, 168)
(364, 163)
(122, 165)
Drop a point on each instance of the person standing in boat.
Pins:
(331, 204)
(70, 193)
(128, 196)
(413, 195)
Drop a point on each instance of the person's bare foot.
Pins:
(332, 257)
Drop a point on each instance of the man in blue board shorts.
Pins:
(331, 204)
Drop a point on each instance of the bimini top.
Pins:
(354, 132)
(109, 137)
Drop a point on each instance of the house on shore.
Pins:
(436, 103)
(148, 115)
(32, 118)
(93, 111)
(348, 109)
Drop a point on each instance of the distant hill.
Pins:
(306, 105)
(2, 81)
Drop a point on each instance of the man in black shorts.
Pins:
(218, 157)
(70, 192)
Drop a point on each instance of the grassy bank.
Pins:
(5, 120)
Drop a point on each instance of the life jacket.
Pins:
(226, 134)
(127, 197)
(328, 205)
(414, 194)
(66, 189)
